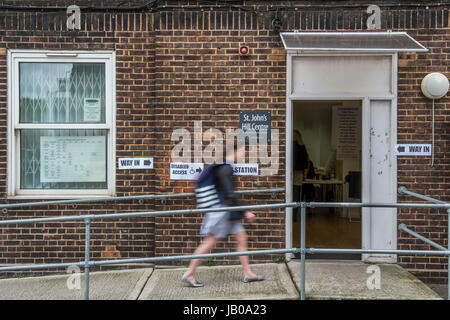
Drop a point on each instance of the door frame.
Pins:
(365, 98)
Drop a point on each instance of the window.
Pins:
(61, 124)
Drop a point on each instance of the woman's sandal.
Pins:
(194, 284)
(259, 277)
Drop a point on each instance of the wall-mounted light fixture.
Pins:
(434, 86)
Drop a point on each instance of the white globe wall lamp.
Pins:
(434, 86)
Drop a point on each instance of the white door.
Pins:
(379, 180)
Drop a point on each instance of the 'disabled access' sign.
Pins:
(185, 171)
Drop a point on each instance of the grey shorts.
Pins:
(217, 224)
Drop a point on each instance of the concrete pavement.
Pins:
(348, 280)
(105, 285)
(325, 280)
(223, 283)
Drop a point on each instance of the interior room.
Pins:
(331, 134)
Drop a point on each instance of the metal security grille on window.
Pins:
(62, 93)
(57, 92)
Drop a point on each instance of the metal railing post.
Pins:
(448, 257)
(303, 250)
(87, 248)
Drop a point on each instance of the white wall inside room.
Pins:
(313, 120)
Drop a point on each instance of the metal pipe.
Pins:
(404, 190)
(87, 248)
(153, 259)
(107, 199)
(404, 228)
(302, 254)
(248, 207)
(42, 266)
(228, 254)
(150, 213)
(376, 205)
(379, 251)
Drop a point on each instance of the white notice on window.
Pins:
(91, 110)
(73, 159)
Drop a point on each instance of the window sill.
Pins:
(59, 197)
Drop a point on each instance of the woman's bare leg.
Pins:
(241, 239)
(207, 245)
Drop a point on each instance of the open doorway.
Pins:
(327, 168)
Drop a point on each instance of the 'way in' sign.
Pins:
(413, 149)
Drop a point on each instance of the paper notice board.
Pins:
(346, 132)
(73, 159)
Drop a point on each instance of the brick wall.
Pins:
(417, 173)
(129, 36)
(201, 77)
(178, 65)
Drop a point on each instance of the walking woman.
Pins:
(218, 225)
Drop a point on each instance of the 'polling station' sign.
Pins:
(245, 169)
(413, 149)
(135, 163)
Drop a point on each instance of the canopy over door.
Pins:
(350, 41)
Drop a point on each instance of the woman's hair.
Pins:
(298, 137)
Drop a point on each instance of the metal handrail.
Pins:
(303, 250)
(219, 209)
(404, 190)
(146, 214)
(402, 227)
(7, 206)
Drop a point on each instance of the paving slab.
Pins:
(104, 285)
(440, 289)
(348, 280)
(221, 282)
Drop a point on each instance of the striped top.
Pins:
(206, 196)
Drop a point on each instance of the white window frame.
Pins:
(14, 127)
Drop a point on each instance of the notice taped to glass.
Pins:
(73, 159)
(92, 110)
